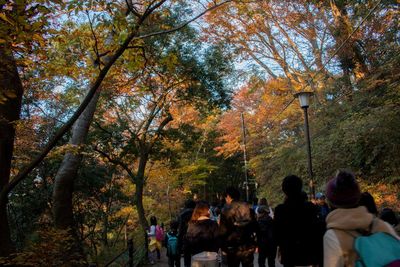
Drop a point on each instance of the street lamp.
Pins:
(304, 99)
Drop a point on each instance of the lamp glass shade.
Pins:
(304, 99)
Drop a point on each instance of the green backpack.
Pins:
(377, 250)
(172, 245)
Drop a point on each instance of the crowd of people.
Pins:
(298, 232)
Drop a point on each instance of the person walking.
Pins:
(323, 207)
(184, 218)
(171, 243)
(265, 238)
(297, 227)
(155, 239)
(346, 220)
(202, 236)
(238, 230)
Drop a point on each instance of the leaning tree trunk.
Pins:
(66, 175)
(11, 91)
(139, 182)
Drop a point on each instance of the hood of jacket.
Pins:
(349, 219)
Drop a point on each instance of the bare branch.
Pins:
(132, 8)
(96, 47)
(183, 24)
(151, 8)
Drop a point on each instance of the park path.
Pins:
(163, 262)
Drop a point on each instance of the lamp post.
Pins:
(304, 99)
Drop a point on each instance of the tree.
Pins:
(278, 38)
(11, 93)
(20, 31)
(140, 15)
(174, 76)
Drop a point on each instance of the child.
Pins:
(152, 251)
(171, 242)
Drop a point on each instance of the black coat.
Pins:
(299, 232)
(238, 226)
(266, 236)
(184, 219)
(202, 236)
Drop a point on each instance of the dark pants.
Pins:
(158, 253)
(174, 261)
(245, 256)
(187, 258)
(262, 255)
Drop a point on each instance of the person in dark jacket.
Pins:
(265, 238)
(173, 254)
(323, 207)
(184, 219)
(299, 232)
(202, 232)
(237, 229)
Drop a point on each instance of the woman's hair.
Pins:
(153, 220)
(367, 200)
(389, 216)
(202, 209)
(233, 192)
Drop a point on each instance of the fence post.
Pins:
(146, 243)
(130, 252)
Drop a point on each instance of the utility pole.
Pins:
(245, 158)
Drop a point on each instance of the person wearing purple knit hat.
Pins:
(343, 190)
(343, 195)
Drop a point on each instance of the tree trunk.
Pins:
(11, 92)
(139, 182)
(66, 175)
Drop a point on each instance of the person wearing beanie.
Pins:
(346, 219)
(298, 230)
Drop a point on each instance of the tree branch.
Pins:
(151, 8)
(160, 128)
(96, 46)
(132, 8)
(183, 24)
(95, 86)
(101, 128)
(116, 162)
